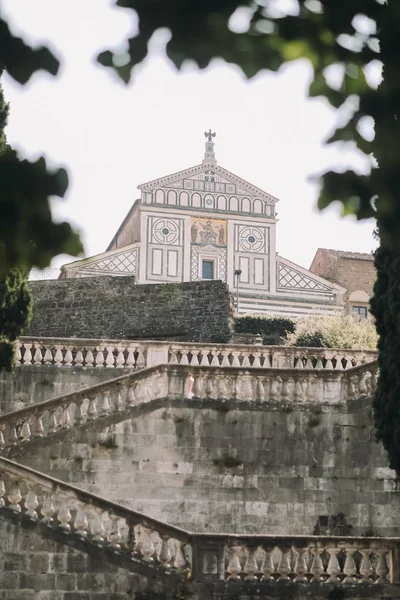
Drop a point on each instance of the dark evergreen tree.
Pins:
(385, 304)
(15, 296)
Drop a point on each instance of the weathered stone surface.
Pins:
(31, 384)
(114, 307)
(239, 467)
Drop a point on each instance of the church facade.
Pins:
(207, 223)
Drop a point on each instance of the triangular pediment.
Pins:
(198, 176)
(294, 277)
(121, 261)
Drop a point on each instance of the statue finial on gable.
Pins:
(209, 135)
(209, 156)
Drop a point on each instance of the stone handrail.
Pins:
(138, 354)
(71, 510)
(50, 503)
(113, 398)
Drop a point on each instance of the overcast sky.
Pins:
(113, 137)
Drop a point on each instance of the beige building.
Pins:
(354, 271)
(205, 222)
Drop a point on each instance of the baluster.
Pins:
(214, 359)
(165, 554)
(18, 354)
(381, 567)
(48, 357)
(235, 359)
(362, 388)
(275, 382)
(298, 390)
(285, 389)
(79, 415)
(79, 358)
(81, 522)
(120, 360)
(221, 386)
(89, 359)
(317, 568)
(333, 568)
(246, 362)
(65, 420)
(267, 567)
(38, 430)
(25, 433)
(130, 359)
(339, 363)
(37, 357)
(114, 537)
(349, 568)
(329, 364)
(27, 356)
(131, 397)
(118, 404)
(141, 360)
(246, 391)
(173, 360)
(234, 569)
(47, 509)
(31, 503)
(53, 425)
(68, 358)
(300, 567)
(14, 498)
(110, 358)
(92, 408)
(260, 390)
(284, 565)
(319, 364)
(225, 360)
(184, 359)
(132, 541)
(99, 360)
(97, 527)
(105, 403)
(198, 388)
(2, 440)
(195, 359)
(257, 361)
(13, 438)
(309, 363)
(64, 517)
(210, 392)
(366, 569)
(58, 358)
(147, 547)
(251, 567)
(2, 492)
(179, 560)
(299, 363)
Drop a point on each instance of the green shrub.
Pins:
(343, 331)
(272, 329)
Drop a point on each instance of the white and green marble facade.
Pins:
(206, 213)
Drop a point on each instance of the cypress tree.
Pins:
(385, 304)
(15, 296)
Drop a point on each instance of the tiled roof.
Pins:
(349, 254)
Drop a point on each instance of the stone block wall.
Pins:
(116, 308)
(238, 467)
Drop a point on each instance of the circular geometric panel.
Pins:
(165, 231)
(251, 239)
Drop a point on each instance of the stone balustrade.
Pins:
(51, 504)
(69, 510)
(70, 352)
(301, 559)
(114, 398)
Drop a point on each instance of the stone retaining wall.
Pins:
(114, 307)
